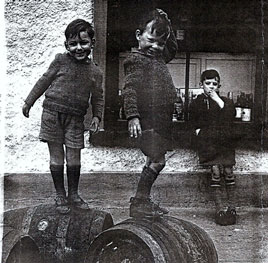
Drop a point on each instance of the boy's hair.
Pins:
(160, 24)
(210, 74)
(77, 26)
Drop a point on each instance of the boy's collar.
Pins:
(86, 60)
(136, 50)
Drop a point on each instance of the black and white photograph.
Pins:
(134, 131)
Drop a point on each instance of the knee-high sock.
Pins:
(73, 176)
(57, 172)
(148, 176)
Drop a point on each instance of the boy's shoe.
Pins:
(221, 218)
(140, 207)
(62, 205)
(77, 202)
(231, 215)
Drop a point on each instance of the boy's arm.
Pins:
(171, 47)
(132, 80)
(43, 83)
(228, 111)
(132, 83)
(97, 100)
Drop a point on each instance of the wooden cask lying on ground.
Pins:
(165, 240)
(40, 234)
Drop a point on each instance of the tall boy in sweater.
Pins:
(68, 84)
(149, 96)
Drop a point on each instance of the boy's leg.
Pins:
(57, 171)
(231, 193)
(141, 204)
(215, 180)
(218, 195)
(73, 158)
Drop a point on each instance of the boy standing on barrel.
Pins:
(212, 117)
(149, 96)
(68, 84)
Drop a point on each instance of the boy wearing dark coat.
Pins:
(149, 96)
(212, 117)
(69, 83)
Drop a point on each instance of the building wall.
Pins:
(34, 34)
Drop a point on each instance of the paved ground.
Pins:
(185, 195)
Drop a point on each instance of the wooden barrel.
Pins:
(165, 240)
(40, 234)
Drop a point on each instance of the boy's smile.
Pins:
(210, 85)
(149, 42)
(79, 46)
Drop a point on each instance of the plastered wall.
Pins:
(34, 34)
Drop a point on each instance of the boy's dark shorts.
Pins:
(152, 144)
(62, 128)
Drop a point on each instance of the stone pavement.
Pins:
(186, 196)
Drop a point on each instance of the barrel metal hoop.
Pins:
(147, 238)
(27, 219)
(61, 235)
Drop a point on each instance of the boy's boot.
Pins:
(73, 175)
(231, 193)
(141, 205)
(57, 172)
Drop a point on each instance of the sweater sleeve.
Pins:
(171, 47)
(44, 82)
(131, 84)
(228, 111)
(97, 100)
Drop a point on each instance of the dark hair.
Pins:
(210, 74)
(160, 23)
(77, 26)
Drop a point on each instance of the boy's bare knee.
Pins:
(56, 153)
(158, 166)
(228, 170)
(73, 156)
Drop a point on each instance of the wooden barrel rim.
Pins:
(147, 239)
(158, 230)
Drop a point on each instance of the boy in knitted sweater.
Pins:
(149, 96)
(70, 81)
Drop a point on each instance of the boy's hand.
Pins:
(94, 126)
(134, 127)
(164, 14)
(214, 95)
(26, 109)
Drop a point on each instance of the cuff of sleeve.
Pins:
(132, 117)
(28, 103)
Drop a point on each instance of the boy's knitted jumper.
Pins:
(68, 84)
(149, 92)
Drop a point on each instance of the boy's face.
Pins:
(149, 42)
(210, 85)
(80, 45)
